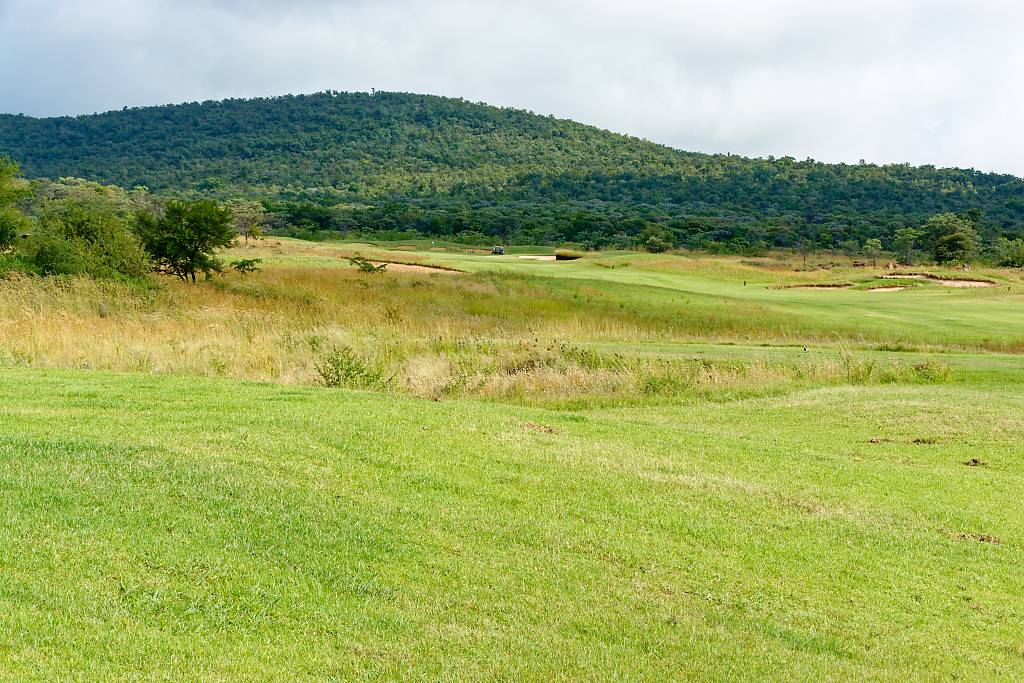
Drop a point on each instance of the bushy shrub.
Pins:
(343, 367)
(365, 265)
(11, 223)
(932, 371)
(90, 238)
(184, 237)
(12, 188)
(246, 265)
(1009, 253)
(53, 255)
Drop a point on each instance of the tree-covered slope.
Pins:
(443, 166)
(349, 143)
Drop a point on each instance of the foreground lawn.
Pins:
(197, 529)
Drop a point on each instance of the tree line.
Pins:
(79, 227)
(75, 226)
(403, 164)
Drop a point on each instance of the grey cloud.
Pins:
(925, 81)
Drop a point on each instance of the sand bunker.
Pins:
(966, 283)
(539, 257)
(944, 281)
(885, 289)
(410, 268)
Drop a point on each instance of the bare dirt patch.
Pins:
(838, 285)
(411, 268)
(982, 538)
(974, 462)
(540, 428)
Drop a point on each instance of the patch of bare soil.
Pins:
(410, 268)
(838, 285)
(540, 428)
(974, 462)
(983, 538)
(539, 257)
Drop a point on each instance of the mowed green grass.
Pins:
(985, 317)
(726, 298)
(175, 528)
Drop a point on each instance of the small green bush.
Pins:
(343, 367)
(246, 265)
(365, 265)
(932, 371)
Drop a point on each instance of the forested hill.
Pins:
(442, 166)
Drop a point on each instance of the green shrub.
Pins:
(343, 367)
(246, 265)
(53, 255)
(85, 237)
(365, 265)
(932, 371)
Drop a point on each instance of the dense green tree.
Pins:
(249, 217)
(85, 236)
(873, 249)
(951, 237)
(850, 247)
(904, 241)
(656, 239)
(1009, 253)
(958, 247)
(12, 188)
(184, 237)
(404, 165)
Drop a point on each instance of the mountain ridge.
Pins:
(493, 169)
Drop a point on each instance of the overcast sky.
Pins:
(925, 81)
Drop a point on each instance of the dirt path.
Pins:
(410, 268)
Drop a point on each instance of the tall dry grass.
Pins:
(438, 336)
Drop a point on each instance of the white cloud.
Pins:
(925, 81)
